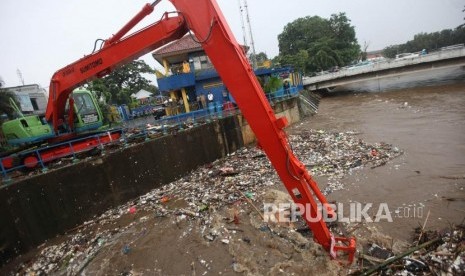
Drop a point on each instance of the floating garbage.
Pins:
(126, 249)
(379, 252)
(335, 154)
(132, 210)
(432, 253)
(234, 180)
(249, 195)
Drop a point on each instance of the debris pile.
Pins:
(239, 179)
(449, 255)
(435, 253)
(335, 154)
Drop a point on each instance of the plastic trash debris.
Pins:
(414, 265)
(203, 207)
(210, 237)
(249, 195)
(126, 249)
(165, 199)
(100, 241)
(264, 228)
(379, 252)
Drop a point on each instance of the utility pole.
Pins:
(252, 44)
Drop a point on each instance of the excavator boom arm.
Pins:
(112, 55)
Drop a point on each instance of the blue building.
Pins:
(189, 73)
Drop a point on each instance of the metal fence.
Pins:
(38, 158)
(146, 130)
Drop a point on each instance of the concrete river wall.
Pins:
(41, 207)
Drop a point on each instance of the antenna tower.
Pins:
(252, 44)
(20, 76)
(244, 33)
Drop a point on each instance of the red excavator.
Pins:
(204, 21)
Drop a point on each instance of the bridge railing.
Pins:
(388, 64)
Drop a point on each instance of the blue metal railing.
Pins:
(37, 153)
(218, 112)
(198, 116)
(164, 124)
(282, 93)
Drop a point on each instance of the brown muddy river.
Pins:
(428, 124)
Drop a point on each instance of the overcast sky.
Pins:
(40, 37)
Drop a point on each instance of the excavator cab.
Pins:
(87, 113)
(32, 129)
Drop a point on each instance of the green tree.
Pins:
(322, 43)
(122, 82)
(429, 41)
(300, 33)
(364, 54)
(273, 84)
(260, 57)
(5, 107)
(300, 61)
(324, 56)
(392, 51)
(462, 25)
(100, 89)
(345, 43)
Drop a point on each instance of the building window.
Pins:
(205, 62)
(34, 104)
(197, 64)
(201, 62)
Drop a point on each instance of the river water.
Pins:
(426, 119)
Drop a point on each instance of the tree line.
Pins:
(117, 87)
(313, 43)
(428, 41)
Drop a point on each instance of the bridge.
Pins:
(393, 67)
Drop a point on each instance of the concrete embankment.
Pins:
(41, 207)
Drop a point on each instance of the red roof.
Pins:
(186, 43)
(182, 46)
